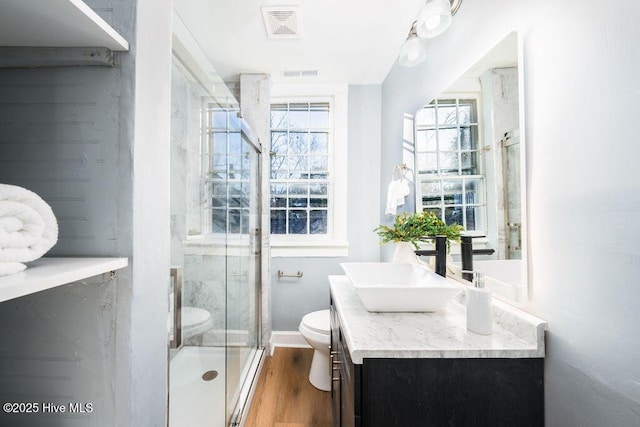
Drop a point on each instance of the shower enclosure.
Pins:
(214, 330)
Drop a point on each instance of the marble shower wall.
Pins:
(500, 87)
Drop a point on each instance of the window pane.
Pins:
(319, 115)
(297, 222)
(469, 163)
(235, 143)
(467, 111)
(453, 215)
(278, 222)
(474, 221)
(234, 221)
(220, 143)
(318, 202)
(279, 143)
(278, 201)
(298, 164)
(446, 112)
(318, 163)
(428, 163)
(298, 189)
(280, 175)
(431, 193)
(235, 166)
(218, 202)
(279, 163)
(299, 116)
(219, 119)
(452, 190)
(244, 221)
(298, 143)
(426, 140)
(298, 202)
(318, 142)
(219, 220)
(426, 117)
(318, 189)
(469, 138)
(279, 116)
(448, 139)
(448, 163)
(219, 189)
(318, 222)
(474, 191)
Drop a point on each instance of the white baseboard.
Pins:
(287, 339)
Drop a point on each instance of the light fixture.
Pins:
(435, 17)
(412, 51)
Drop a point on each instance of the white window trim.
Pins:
(334, 244)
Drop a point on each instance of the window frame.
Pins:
(442, 178)
(334, 243)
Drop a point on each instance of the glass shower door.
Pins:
(243, 275)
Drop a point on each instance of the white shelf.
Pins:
(55, 23)
(47, 273)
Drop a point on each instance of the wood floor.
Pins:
(284, 397)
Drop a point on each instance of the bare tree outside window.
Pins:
(300, 181)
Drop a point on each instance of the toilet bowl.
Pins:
(195, 321)
(315, 328)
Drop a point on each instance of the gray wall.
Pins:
(293, 298)
(94, 143)
(579, 59)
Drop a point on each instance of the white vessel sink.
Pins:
(399, 287)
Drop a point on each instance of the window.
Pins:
(448, 161)
(300, 184)
(308, 170)
(226, 177)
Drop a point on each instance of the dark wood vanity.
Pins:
(431, 391)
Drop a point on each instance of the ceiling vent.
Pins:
(281, 22)
(300, 73)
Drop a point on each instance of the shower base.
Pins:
(194, 401)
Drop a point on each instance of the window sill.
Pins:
(307, 249)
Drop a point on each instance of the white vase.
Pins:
(404, 252)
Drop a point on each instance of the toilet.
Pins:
(195, 321)
(315, 328)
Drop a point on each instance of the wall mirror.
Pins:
(469, 163)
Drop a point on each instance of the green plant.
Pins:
(418, 226)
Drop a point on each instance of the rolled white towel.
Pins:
(28, 228)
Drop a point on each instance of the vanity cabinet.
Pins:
(398, 391)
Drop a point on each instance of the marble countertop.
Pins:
(441, 334)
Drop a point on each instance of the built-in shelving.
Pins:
(56, 23)
(55, 33)
(47, 273)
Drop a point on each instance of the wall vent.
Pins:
(300, 73)
(281, 22)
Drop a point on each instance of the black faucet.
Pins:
(440, 253)
(467, 252)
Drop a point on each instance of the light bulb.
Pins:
(434, 18)
(432, 22)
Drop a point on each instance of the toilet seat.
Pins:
(318, 322)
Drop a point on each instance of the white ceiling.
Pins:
(353, 41)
